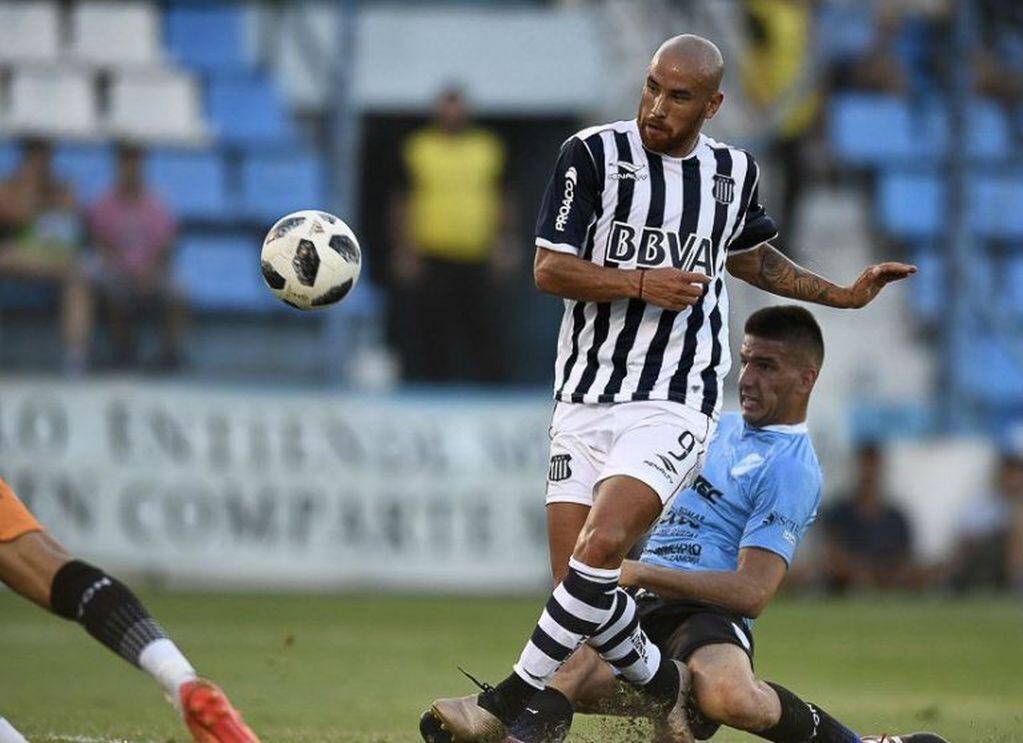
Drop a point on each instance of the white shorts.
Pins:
(660, 443)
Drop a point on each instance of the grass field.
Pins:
(353, 668)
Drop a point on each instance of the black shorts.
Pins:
(680, 628)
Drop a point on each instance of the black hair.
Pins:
(789, 324)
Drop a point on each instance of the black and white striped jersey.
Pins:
(612, 202)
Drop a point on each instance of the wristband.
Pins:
(642, 275)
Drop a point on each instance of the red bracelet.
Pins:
(642, 274)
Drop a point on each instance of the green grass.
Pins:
(354, 668)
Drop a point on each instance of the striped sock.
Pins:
(580, 605)
(624, 644)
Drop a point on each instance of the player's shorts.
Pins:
(15, 519)
(660, 443)
(680, 628)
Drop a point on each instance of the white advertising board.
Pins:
(277, 490)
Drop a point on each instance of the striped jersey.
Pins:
(615, 203)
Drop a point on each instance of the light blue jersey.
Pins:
(760, 487)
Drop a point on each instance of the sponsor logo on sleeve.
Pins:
(571, 178)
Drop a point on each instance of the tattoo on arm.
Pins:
(781, 276)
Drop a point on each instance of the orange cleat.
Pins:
(209, 715)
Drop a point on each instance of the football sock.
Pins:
(547, 718)
(586, 606)
(162, 660)
(112, 614)
(8, 733)
(801, 722)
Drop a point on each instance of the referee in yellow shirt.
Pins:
(449, 228)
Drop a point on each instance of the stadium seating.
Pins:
(1014, 287)
(246, 110)
(88, 168)
(991, 366)
(867, 129)
(221, 273)
(193, 183)
(880, 130)
(996, 205)
(54, 101)
(273, 184)
(911, 204)
(158, 105)
(111, 33)
(208, 37)
(29, 32)
(927, 289)
(10, 156)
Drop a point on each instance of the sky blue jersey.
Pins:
(760, 487)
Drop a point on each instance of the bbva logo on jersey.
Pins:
(653, 248)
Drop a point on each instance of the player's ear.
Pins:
(808, 378)
(713, 105)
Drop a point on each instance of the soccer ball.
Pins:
(310, 260)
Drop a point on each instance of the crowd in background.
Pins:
(451, 252)
(115, 252)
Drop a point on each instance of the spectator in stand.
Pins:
(780, 82)
(989, 546)
(868, 543)
(134, 232)
(40, 238)
(450, 251)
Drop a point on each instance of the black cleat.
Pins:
(432, 730)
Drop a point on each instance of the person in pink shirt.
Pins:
(134, 233)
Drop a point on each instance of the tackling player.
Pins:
(720, 553)
(639, 222)
(35, 566)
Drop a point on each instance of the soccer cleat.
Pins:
(674, 728)
(907, 738)
(460, 720)
(209, 716)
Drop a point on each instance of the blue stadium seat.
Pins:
(19, 295)
(207, 37)
(868, 129)
(274, 184)
(246, 110)
(996, 205)
(991, 370)
(911, 204)
(988, 130)
(1014, 287)
(193, 183)
(221, 273)
(88, 168)
(927, 289)
(10, 156)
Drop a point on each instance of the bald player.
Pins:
(638, 224)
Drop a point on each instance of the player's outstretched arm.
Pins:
(745, 591)
(766, 268)
(571, 277)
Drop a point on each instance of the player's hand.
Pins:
(672, 288)
(630, 574)
(873, 280)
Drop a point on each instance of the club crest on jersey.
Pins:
(560, 469)
(628, 171)
(651, 247)
(723, 189)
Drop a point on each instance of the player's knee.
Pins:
(602, 545)
(729, 701)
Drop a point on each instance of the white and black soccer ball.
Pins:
(311, 259)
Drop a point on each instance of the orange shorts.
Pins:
(15, 519)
